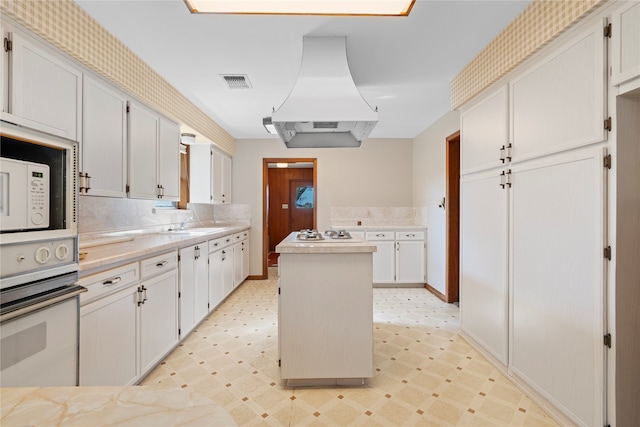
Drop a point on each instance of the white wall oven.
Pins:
(39, 301)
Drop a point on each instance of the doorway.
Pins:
(452, 218)
(289, 201)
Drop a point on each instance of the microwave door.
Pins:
(4, 195)
(14, 195)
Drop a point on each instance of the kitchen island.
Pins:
(325, 313)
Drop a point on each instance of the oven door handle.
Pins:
(39, 303)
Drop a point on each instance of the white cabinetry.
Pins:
(104, 142)
(483, 262)
(154, 156)
(210, 172)
(384, 258)
(221, 177)
(194, 286)
(158, 308)
(559, 104)
(240, 257)
(108, 328)
(44, 90)
(400, 256)
(625, 26)
(484, 129)
(410, 257)
(221, 270)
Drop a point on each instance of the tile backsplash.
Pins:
(376, 216)
(105, 214)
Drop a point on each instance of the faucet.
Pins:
(184, 221)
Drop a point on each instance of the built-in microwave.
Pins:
(24, 195)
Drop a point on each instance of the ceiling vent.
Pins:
(237, 81)
(324, 108)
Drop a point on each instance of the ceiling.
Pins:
(402, 65)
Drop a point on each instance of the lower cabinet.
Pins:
(240, 257)
(128, 320)
(194, 286)
(221, 270)
(400, 256)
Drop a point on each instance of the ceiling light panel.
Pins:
(303, 7)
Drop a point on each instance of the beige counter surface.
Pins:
(115, 406)
(131, 246)
(291, 245)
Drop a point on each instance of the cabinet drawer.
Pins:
(220, 242)
(380, 235)
(243, 235)
(158, 264)
(409, 235)
(357, 234)
(102, 284)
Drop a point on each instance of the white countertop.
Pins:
(121, 406)
(378, 227)
(291, 245)
(124, 249)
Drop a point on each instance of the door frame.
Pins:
(452, 218)
(265, 200)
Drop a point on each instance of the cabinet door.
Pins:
(143, 152)
(410, 261)
(200, 179)
(158, 319)
(560, 104)
(227, 270)
(201, 272)
(221, 183)
(483, 262)
(556, 271)
(187, 290)
(169, 160)
(237, 264)
(216, 279)
(384, 262)
(245, 259)
(484, 132)
(625, 43)
(104, 142)
(226, 179)
(108, 340)
(45, 89)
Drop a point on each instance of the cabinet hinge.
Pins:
(607, 30)
(8, 45)
(179, 331)
(127, 188)
(128, 109)
(607, 340)
(278, 291)
(607, 161)
(179, 295)
(607, 124)
(279, 362)
(607, 253)
(179, 256)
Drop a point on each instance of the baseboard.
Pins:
(435, 292)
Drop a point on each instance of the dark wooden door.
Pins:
(301, 205)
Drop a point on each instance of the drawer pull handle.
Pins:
(112, 281)
(411, 235)
(162, 264)
(379, 235)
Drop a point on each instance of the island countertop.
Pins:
(291, 245)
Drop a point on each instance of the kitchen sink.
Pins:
(193, 231)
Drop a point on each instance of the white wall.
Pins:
(429, 186)
(379, 173)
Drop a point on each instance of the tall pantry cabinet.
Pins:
(532, 292)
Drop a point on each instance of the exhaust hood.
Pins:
(325, 108)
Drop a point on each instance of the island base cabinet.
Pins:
(108, 349)
(325, 317)
(158, 318)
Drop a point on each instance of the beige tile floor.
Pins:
(425, 374)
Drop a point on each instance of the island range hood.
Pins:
(325, 108)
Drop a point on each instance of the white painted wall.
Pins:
(379, 174)
(429, 186)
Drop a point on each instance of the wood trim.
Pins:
(265, 201)
(452, 217)
(435, 292)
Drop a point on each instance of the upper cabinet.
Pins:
(484, 133)
(210, 175)
(103, 162)
(41, 90)
(625, 37)
(559, 103)
(154, 155)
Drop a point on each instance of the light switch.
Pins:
(285, 206)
